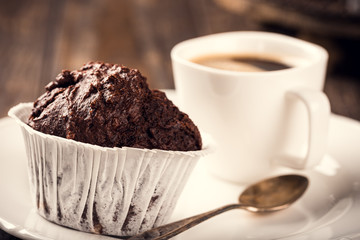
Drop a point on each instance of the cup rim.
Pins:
(322, 54)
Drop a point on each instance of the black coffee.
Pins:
(242, 63)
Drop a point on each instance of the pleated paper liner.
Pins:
(112, 191)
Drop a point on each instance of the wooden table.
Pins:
(40, 38)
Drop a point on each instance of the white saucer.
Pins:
(330, 209)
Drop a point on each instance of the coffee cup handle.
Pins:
(318, 110)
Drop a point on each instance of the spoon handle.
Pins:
(170, 230)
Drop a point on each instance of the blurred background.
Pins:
(39, 38)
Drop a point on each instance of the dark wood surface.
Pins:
(40, 38)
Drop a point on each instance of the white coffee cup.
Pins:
(259, 120)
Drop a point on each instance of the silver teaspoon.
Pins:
(269, 195)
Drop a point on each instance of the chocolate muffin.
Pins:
(106, 154)
(112, 106)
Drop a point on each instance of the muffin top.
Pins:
(112, 106)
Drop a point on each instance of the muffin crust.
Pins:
(112, 106)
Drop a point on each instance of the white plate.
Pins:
(330, 209)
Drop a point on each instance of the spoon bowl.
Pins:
(269, 195)
(273, 194)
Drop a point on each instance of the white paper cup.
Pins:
(112, 191)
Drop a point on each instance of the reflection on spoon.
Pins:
(269, 195)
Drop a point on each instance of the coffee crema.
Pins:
(242, 62)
